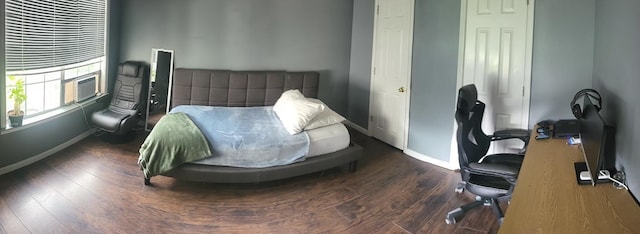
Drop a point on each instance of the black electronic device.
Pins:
(545, 124)
(566, 128)
(587, 94)
(593, 137)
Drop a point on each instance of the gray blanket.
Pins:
(249, 137)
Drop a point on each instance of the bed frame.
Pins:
(243, 89)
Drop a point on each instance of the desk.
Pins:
(547, 198)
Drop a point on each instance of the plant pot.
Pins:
(16, 120)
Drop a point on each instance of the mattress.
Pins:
(327, 139)
(322, 140)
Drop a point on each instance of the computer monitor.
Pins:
(592, 136)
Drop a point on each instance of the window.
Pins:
(49, 45)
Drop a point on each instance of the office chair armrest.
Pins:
(511, 160)
(497, 170)
(521, 134)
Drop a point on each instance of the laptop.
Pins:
(566, 128)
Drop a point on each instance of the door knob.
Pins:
(401, 89)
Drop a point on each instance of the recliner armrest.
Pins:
(491, 169)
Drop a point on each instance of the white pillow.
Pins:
(295, 111)
(291, 94)
(324, 118)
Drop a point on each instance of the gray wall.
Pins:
(28, 142)
(247, 35)
(616, 72)
(433, 77)
(562, 56)
(360, 63)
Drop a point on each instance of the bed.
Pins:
(224, 88)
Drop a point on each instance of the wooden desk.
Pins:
(547, 198)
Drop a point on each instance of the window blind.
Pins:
(51, 33)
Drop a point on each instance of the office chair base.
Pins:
(452, 216)
(455, 215)
(497, 210)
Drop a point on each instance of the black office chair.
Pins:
(490, 177)
(127, 101)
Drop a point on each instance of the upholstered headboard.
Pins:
(238, 88)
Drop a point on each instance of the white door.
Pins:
(393, 36)
(495, 60)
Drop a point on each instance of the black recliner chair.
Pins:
(127, 100)
(490, 177)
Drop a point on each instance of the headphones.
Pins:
(592, 94)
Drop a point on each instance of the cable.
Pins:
(84, 114)
(614, 180)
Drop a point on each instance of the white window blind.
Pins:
(52, 33)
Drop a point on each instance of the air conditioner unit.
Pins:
(85, 88)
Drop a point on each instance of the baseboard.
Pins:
(47, 153)
(357, 127)
(431, 160)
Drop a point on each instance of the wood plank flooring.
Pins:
(96, 187)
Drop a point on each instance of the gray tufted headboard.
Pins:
(238, 88)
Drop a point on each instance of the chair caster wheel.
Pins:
(460, 187)
(486, 202)
(450, 221)
(453, 215)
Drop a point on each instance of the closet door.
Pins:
(393, 42)
(497, 59)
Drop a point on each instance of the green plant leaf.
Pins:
(17, 93)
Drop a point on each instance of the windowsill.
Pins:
(43, 118)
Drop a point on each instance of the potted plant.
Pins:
(18, 96)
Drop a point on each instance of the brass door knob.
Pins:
(401, 89)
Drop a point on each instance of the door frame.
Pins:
(453, 157)
(405, 128)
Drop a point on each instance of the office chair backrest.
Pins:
(473, 144)
(129, 86)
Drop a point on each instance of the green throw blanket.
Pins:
(174, 140)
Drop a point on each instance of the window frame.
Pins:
(62, 80)
(63, 109)
(3, 114)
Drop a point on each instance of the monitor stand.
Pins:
(585, 175)
(580, 167)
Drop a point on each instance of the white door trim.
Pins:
(453, 158)
(528, 63)
(373, 62)
(409, 72)
(453, 155)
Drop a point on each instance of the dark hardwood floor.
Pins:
(96, 187)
